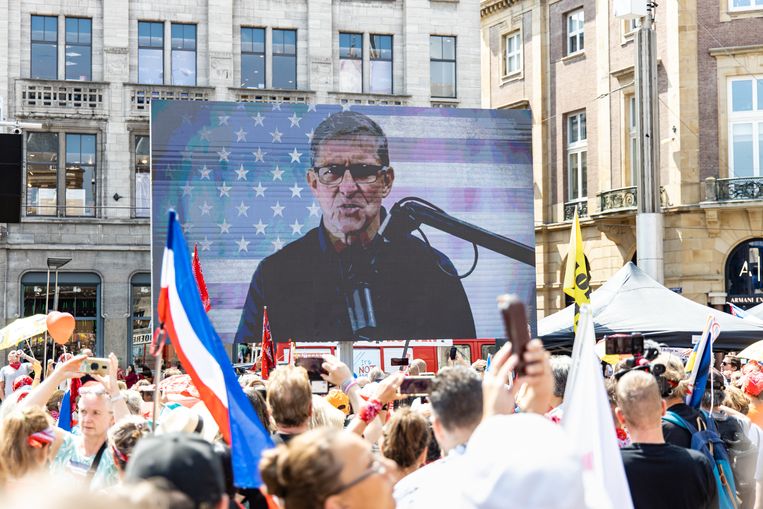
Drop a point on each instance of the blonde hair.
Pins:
(124, 435)
(675, 374)
(638, 398)
(325, 415)
(417, 367)
(406, 437)
(289, 396)
(736, 399)
(305, 472)
(19, 457)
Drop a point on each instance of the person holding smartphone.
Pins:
(14, 370)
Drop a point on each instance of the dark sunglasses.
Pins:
(333, 174)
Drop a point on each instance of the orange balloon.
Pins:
(60, 326)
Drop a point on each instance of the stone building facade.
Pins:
(87, 71)
(572, 63)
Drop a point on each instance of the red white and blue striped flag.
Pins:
(203, 356)
(700, 362)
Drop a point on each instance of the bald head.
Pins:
(639, 400)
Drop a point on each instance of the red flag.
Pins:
(199, 277)
(268, 355)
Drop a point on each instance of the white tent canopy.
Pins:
(631, 301)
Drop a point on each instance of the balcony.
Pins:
(139, 97)
(570, 206)
(52, 98)
(618, 200)
(381, 99)
(262, 95)
(733, 189)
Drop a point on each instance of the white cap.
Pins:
(521, 461)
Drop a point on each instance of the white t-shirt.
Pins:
(9, 375)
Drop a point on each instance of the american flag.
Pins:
(235, 173)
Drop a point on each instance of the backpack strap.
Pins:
(679, 421)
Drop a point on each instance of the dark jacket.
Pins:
(307, 286)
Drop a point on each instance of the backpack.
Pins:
(743, 456)
(705, 439)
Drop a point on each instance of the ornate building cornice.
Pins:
(488, 7)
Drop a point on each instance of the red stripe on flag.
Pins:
(198, 275)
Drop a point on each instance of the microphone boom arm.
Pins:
(410, 213)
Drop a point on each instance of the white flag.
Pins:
(588, 421)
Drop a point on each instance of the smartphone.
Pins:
(517, 330)
(314, 368)
(399, 361)
(624, 344)
(416, 386)
(95, 366)
(453, 353)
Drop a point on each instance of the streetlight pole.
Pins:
(53, 263)
(649, 220)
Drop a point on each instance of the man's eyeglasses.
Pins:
(377, 467)
(333, 174)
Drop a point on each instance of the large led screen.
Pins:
(348, 222)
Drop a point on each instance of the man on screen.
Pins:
(342, 280)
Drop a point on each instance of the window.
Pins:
(142, 176)
(140, 320)
(512, 53)
(150, 53)
(351, 63)
(577, 154)
(42, 174)
(183, 54)
(631, 154)
(442, 65)
(381, 64)
(285, 59)
(631, 25)
(78, 294)
(746, 127)
(575, 32)
(745, 5)
(252, 57)
(44, 47)
(80, 174)
(78, 49)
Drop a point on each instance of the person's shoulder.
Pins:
(416, 248)
(294, 251)
(684, 454)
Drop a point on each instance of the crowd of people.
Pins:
(481, 438)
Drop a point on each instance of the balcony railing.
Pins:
(139, 97)
(570, 206)
(50, 98)
(734, 189)
(259, 95)
(618, 199)
(382, 99)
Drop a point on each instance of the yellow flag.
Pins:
(576, 277)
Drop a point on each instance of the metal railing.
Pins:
(48, 98)
(733, 189)
(259, 95)
(139, 97)
(382, 99)
(570, 206)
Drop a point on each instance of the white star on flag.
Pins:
(206, 244)
(243, 245)
(258, 120)
(187, 190)
(311, 107)
(296, 228)
(205, 172)
(187, 119)
(278, 209)
(260, 227)
(259, 190)
(187, 227)
(242, 209)
(240, 135)
(277, 173)
(277, 244)
(241, 173)
(295, 156)
(224, 226)
(294, 119)
(205, 133)
(276, 135)
(314, 210)
(296, 191)
(223, 154)
(259, 155)
(205, 208)
(310, 135)
(222, 120)
(224, 190)
(277, 106)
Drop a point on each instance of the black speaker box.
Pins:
(10, 177)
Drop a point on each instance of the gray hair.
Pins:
(350, 124)
(560, 369)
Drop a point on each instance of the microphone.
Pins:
(357, 272)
